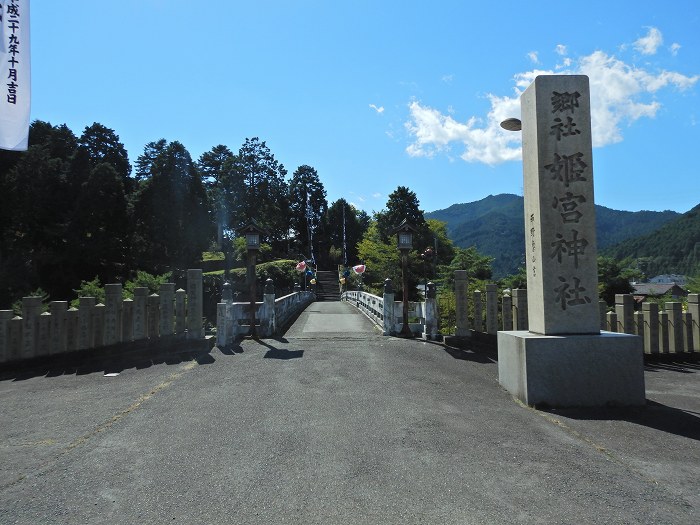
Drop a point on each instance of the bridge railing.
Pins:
(387, 314)
(272, 315)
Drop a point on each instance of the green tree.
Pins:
(356, 224)
(103, 147)
(614, 277)
(307, 208)
(170, 210)
(259, 191)
(402, 204)
(214, 166)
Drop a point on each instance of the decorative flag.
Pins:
(15, 73)
(360, 268)
(301, 266)
(312, 281)
(342, 280)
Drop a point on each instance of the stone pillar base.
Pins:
(572, 370)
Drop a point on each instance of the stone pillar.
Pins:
(43, 344)
(491, 309)
(167, 308)
(58, 311)
(180, 311)
(612, 322)
(461, 304)
(86, 310)
(98, 325)
(520, 309)
(15, 338)
(564, 359)
(113, 314)
(663, 332)
(5, 316)
(72, 329)
(430, 331)
(388, 308)
(268, 321)
(152, 316)
(650, 311)
(478, 312)
(128, 320)
(675, 327)
(694, 311)
(194, 304)
(507, 309)
(221, 325)
(140, 319)
(31, 310)
(688, 332)
(624, 308)
(639, 324)
(603, 311)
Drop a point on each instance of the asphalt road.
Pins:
(325, 426)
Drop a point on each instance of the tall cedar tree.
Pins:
(307, 207)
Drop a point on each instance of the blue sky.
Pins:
(377, 94)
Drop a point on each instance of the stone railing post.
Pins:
(5, 316)
(461, 304)
(478, 312)
(663, 332)
(675, 327)
(639, 324)
(180, 311)
(694, 311)
(624, 308)
(71, 329)
(153, 316)
(14, 346)
(31, 309)
(114, 300)
(43, 346)
(268, 323)
(520, 309)
(388, 327)
(491, 309)
(140, 319)
(58, 311)
(688, 332)
(98, 325)
(650, 311)
(167, 308)
(507, 312)
(194, 304)
(128, 320)
(612, 322)
(86, 311)
(430, 329)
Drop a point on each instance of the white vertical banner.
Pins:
(15, 74)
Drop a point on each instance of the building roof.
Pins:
(658, 289)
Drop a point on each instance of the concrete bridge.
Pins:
(331, 422)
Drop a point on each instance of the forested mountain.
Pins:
(495, 226)
(674, 248)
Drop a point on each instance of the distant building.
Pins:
(644, 290)
(680, 280)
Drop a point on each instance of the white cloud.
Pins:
(674, 48)
(532, 55)
(447, 79)
(379, 109)
(560, 49)
(377, 195)
(620, 94)
(649, 44)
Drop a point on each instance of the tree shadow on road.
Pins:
(280, 353)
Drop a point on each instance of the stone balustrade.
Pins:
(271, 315)
(119, 321)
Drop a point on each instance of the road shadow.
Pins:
(654, 415)
(684, 364)
(475, 349)
(111, 360)
(280, 353)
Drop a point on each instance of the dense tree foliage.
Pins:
(307, 208)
